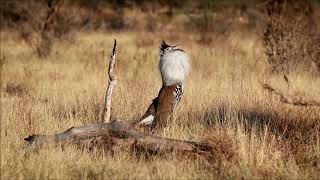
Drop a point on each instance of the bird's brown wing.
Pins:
(152, 110)
(165, 106)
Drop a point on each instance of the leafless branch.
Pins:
(111, 84)
(289, 99)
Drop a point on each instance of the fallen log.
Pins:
(122, 134)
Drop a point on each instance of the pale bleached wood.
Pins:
(123, 134)
(111, 84)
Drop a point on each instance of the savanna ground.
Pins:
(254, 134)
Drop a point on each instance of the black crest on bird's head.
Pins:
(164, 45)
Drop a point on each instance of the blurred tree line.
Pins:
(286, 26)
(16, 11)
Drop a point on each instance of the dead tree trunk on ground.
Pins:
(132, 139)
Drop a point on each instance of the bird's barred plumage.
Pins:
(178, 93)
(174, 67)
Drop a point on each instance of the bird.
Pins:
(174, 66)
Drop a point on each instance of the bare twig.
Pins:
(287, 80)
(289, 99)
(111, 84)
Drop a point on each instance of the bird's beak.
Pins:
(175, 46)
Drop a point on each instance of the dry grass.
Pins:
(254, 134)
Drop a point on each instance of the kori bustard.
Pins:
(174, 66)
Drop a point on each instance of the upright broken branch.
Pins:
(111, 84)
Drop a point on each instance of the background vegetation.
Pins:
(53, 74)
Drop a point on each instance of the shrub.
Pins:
(291, 38)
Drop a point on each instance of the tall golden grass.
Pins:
(253, 133)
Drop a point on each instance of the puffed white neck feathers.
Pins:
(174, 67)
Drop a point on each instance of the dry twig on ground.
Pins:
(287, 99)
